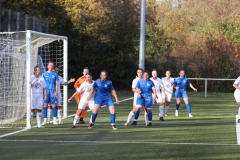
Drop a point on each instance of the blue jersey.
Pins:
(181, 83)
(104, 88)
(50, 78)
(145, 87)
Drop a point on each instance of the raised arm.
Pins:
(68, 82)
(115, 96)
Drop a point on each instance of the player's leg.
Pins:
(91, 107)
(188, 106)
(161, 107)
(81, 107)
(49, 112)
(131, 114)
(53, 101)
(82, 116)
(178, 96)
(39, 112)
(139, 105)
(237, 98)
(45, 107)
(149, 105)
(109, 103)
(59, 111)
(167, 102)
(94, 114)
(33, 107)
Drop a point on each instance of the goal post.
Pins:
(20, 52)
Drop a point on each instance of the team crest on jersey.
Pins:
(148, 84)
(105, 85)
(53, 76)
(37, 85)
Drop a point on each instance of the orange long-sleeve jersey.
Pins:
(77, 84)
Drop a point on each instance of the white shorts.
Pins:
(168, 96)
(159, 99)
(37, 101)
(59, 99)
(135, 100)
(82, 104)
(237, 95)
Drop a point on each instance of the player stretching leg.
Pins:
(85, 88)
(145, 89)
(180, 84)
(134, 82)
(236, 85)
(79, 95)
(38, 87)
(168, 83)
(104, 88)
(51, 79)
(59, 99)
(160, 96)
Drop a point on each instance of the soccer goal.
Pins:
(20, 52)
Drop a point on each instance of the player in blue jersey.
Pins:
(181, 84)
(145, 88)
(104, 90)
(51, 79)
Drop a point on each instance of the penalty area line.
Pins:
(25, 129)
(121, 142)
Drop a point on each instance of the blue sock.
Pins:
(177, 106)
(112, 118)
(188, 108)
(136, 115)
(54, 112)
(94, 116)
(44, 112)
(150, 116)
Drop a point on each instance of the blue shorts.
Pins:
(50, 97)
(100, 101)
(147, 102)
(181, 94)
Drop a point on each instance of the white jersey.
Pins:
(158, 84)
(60, 81)
(237, 81)
(85, 88)
(37, 87)
(167, 84)
(134, 83)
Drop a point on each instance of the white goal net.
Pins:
(20, 52)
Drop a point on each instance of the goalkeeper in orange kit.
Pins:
(79, 95)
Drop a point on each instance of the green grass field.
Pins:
(210, 134)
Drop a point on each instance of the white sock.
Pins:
(90, 120)
(146, 117)
(239, 113)
(130, 116)
(39, 118)
(49, 115)
(161, 110)
(75, 120)
(166, 109)
(45, 120)
(59, 116)
(54, 119)
(31, 117)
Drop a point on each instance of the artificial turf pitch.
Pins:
(210, 134)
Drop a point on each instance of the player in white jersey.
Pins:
(59, 99)
(38, 89)
(134, 82)
(236, 85)
(85, 88)
(160, 96)
(168, 83)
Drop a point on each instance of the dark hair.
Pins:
(50, 62)
(89, 74)
(154, 69)
(146, 72)
(140, 69)
(36, 67)
(56, 67)
(168, 70)
(85, 68)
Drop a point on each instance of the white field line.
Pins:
(238, 130)
(121, 142)
(25, 129)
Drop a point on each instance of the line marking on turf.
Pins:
(238, 130)
(121, 142)
(25, 129)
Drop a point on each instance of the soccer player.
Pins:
(160, 96)
(236, 85)
(59, 99)
(38, 89)
(134, 83)
(168, 83)
(145, 89)
(85, 88)
(180, 84)
(79, 95)
(51, 79)
(104, 89)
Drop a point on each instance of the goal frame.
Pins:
(29, 71)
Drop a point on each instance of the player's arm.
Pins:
(190, 84)
(69, 100)
(235, 86)
(154, 93)
(114, 93)
(68, 82)
(90, 93)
